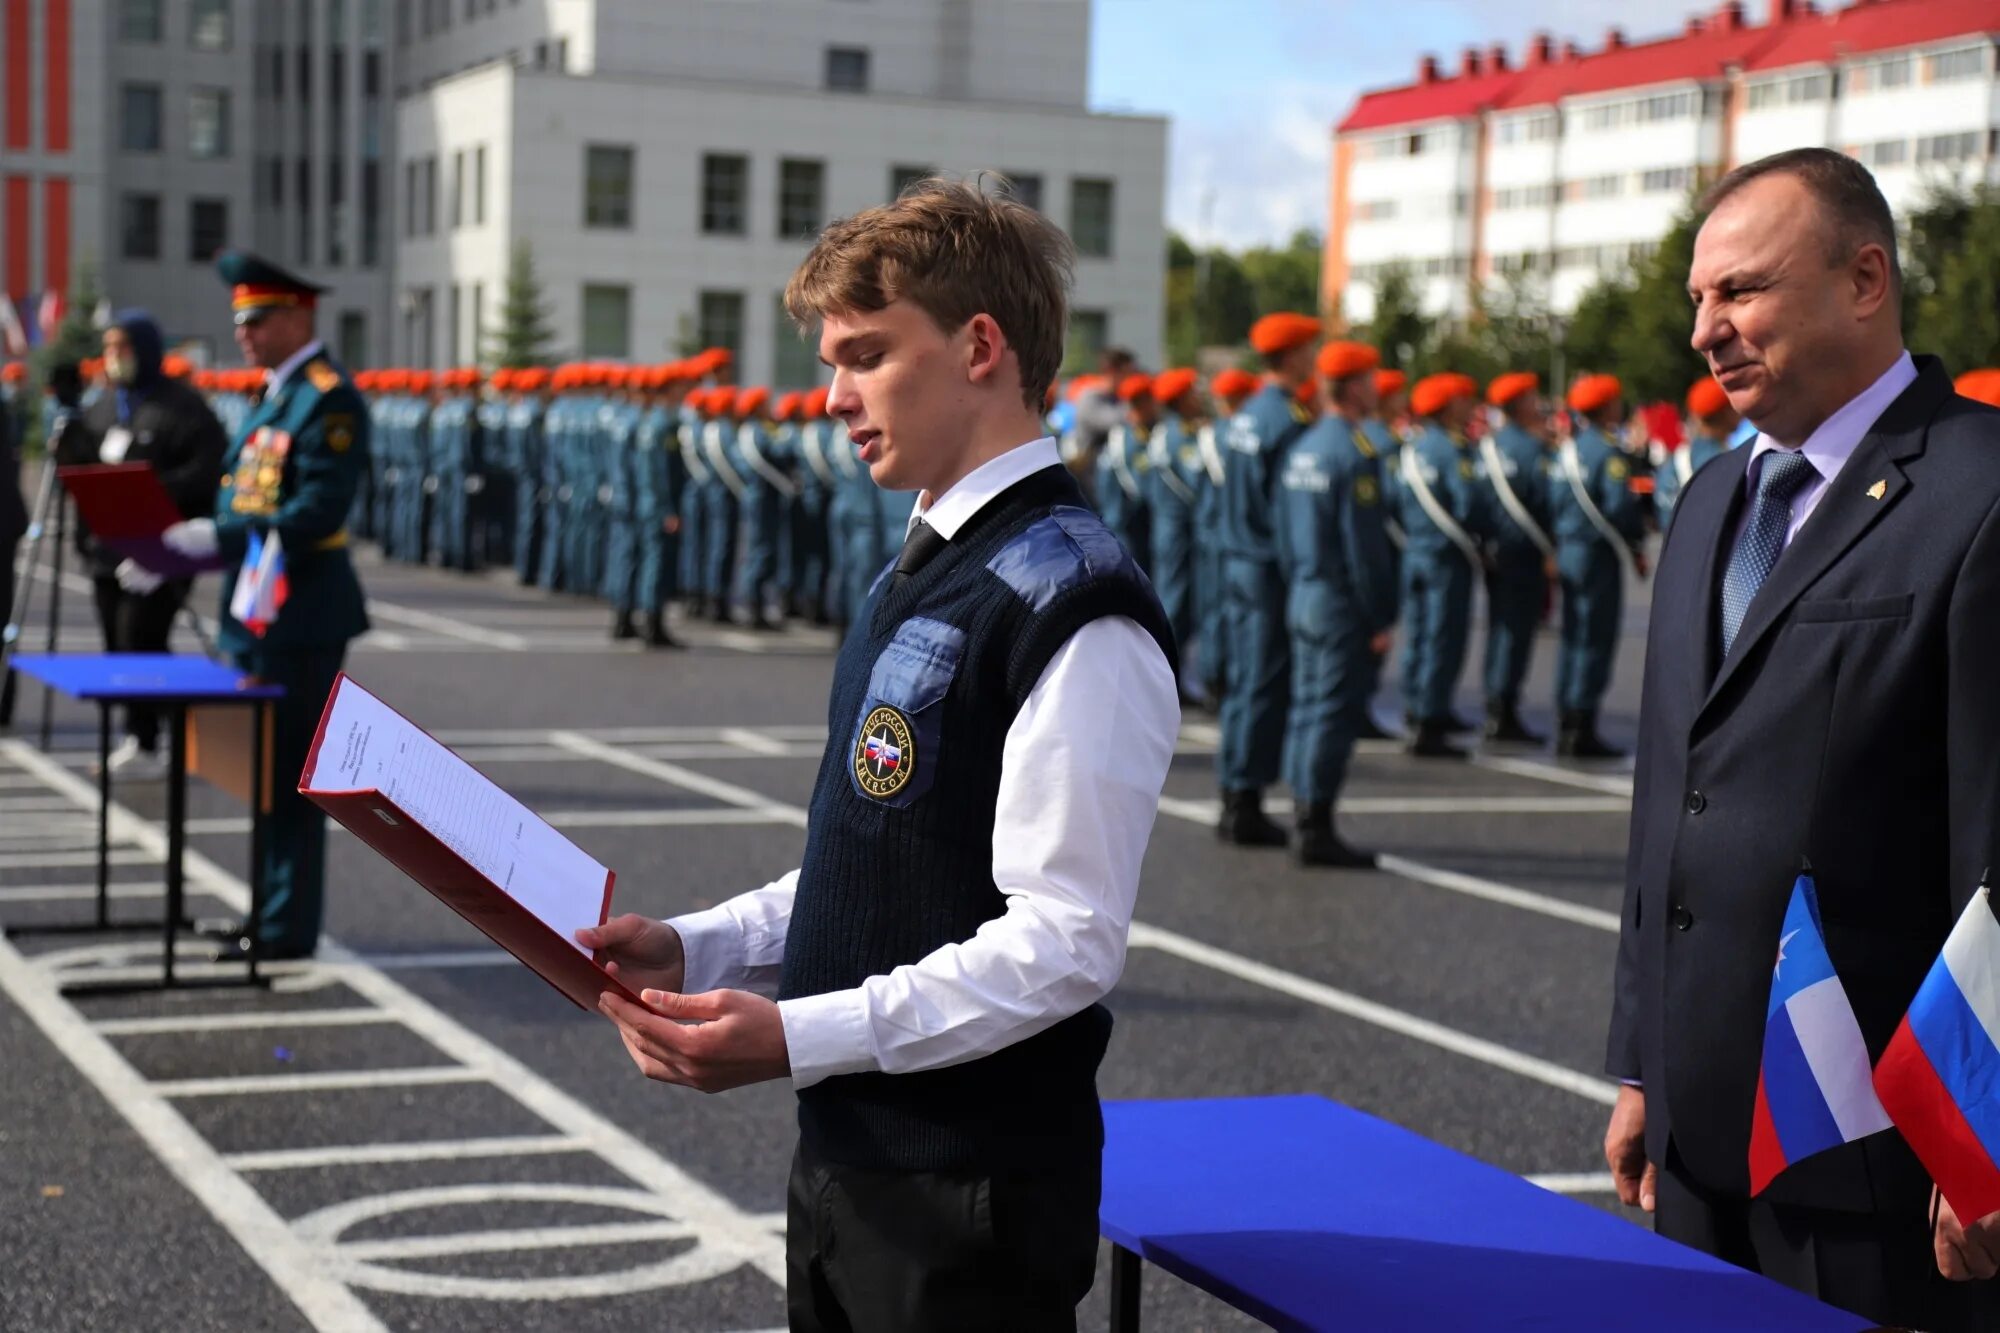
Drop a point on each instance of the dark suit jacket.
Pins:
(1855, 722)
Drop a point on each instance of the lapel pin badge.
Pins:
(1878, 490)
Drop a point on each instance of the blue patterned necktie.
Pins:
(1782, 476)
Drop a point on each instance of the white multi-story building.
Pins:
(144, 136)
(669, 165)
(1562, 166)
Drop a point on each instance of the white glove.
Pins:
(135, 578)
(193, 538)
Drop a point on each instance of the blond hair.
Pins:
(954, 251)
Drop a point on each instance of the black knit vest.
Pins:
(899, 847)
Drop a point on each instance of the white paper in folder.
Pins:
(369, 746)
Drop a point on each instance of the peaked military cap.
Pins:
(257, 285)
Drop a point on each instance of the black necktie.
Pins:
(918, 548)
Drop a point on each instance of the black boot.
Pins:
(1370, 729)
(1431, 740)
(622, 628)
(1319, 845)
(1457, 724)
(1503, 723)
(718, 611)
(1244, 822)
(656, 632)
(1578, 738)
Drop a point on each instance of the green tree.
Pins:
(1958, 317)
(1210, 303)
(1285, 277)
(1589, 342)
(76, 338)
(522, 336)
(1932, 231)
(1650, 345)
(1399, 326)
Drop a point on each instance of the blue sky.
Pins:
(1252, 88)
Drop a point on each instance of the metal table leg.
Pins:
(103, 815)
(1127, 1277)
(259, 723)
(176, 835)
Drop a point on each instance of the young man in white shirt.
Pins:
(1002, 717)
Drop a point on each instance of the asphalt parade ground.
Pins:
(413, 1132)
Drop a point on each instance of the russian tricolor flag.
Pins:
(1813, 1089)
(261, 585)
(1940, 1077)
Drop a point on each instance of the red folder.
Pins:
(418, 852)
(126, 508)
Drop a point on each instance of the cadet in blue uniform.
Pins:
(617, 438)
(1176, 482)
(384, 477)
(724, 516)
(1258, 667)
(558, 422)
(1340, 575)
(1514, 472)
(1229, 390)
(1598, 527)
(812, 545)
(698, 478)
(588, 493)
(524, 449)
(292, 474)
(1444, 528)
(1392, 405)
(455, 447)
(1711, 421)
(657, 484)
(854, 524)
(1123, 469)
(768, 491)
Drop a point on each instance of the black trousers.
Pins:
(1879, 1265)
(923, 1252)
(138, 623)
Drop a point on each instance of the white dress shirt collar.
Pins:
(274, 380)
(978, 488)
(1829, 447)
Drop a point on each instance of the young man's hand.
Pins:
(639, 951)
(714, 1042)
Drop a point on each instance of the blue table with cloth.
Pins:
(173, 684)
(1311, 1215)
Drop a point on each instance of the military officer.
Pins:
(1711, 421)
(1598, 526)
(1123, 465)
(1177, 481)
(768, 491)
(290, 475)
(1515, 476)
(1340, 603)
(1444, 528)
(1257, 656)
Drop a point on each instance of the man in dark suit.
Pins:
(1834, 701)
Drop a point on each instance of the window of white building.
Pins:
(801, 197)
(1089, 334)
(1790, 92)
(607, 186)
(1091, 224)
(1946, 66)
(794, 357)
(607, 320)
(847, 69)
(208, 229)
(208, 29)
(139, 21)
(719, 321)
(1868, 76)
(725, 194)
(1943, 148)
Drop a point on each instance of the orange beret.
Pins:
(749, 402)
(1982, 386)
(1338, 360)
(1169, 385)
(1507, 388)
(13, 373)
(1390, 382)
(815, 404)
(1233, 385)
(1595, 391)
(1433, 392)
(1132, 386)
(1282, 332)
(1706, 398)
(788, 406)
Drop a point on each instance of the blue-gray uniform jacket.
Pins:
(1124, 468)
(1606, 478)
(1337, 557)
(1256, 441)
(1447, 468)
(1524, 469)
(1669, 481)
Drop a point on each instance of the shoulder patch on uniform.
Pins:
(1054, 554)
(322, 374)
(339, 431)
(1616, 467)
(1366, 490)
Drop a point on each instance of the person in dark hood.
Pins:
(145, 416)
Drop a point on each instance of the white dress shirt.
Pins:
(274, 380)
(1081, 772)
(1829, 447)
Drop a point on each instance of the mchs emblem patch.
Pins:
(885, 755)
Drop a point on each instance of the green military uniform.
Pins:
(293, 470)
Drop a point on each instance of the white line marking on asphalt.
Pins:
(508, 1242)
(331, 1080)
(19, 782)
(425, 962)
(1381, 1015)
(725, 1228)
(1206, 811)
(76, 893)
(1504, 894)
(686, 778)
(449, 626)
(120, 856)
(22, 805)
(745, 739)
(237, 1022)
(1576, 1182)
(253, 1224)
(1612, 783)
(375, 1154)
